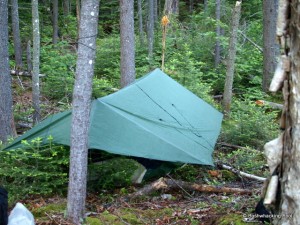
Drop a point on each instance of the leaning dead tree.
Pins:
(283, 153)
(227, 95)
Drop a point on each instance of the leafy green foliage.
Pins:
(34, 169)
(186, 172)
(111, 173)
(249, 125)
(58, 64)
(246, 159)
(107, 65)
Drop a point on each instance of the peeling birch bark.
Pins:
(273, 152)
(280, 74)
(270, 196)
(282, 17)
(287, 204)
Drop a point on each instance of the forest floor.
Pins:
(161, 207)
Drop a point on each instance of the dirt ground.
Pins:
(161, 207)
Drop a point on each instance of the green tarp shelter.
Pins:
(154, 118)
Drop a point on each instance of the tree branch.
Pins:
(23, 73)
(252, 42)
(236, 171)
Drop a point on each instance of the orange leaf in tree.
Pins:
(164, 21)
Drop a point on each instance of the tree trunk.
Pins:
(155, 16)
(66, 7)
(29, 57)
(171, 7)
(227, 96)
(218, 34)
(141, 30)
(159, 8)
(127, 42)
(16, 34)
(81, 110)
(6, 101)
(150, 31)
(78, 8)
(288, 202)
(205, 6)
(270, 48)
(191, 6)
(36, 62)
(55, 21)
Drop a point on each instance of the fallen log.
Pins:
(165, 183)
(23, 73)
(236, 171)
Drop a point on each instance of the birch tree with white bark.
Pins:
(283, 153)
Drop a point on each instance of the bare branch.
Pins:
(236, 171)
(252, 42)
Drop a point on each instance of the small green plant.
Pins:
(186, 172)
(109, 174)
(246, 159)
(58, 64)
(249, 125)
(102, 87)
(34, 169)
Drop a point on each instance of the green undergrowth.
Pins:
(249, 125)
(40, 213)
(233, 218)
(246, 159)
(109, 174)
(34, 170)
